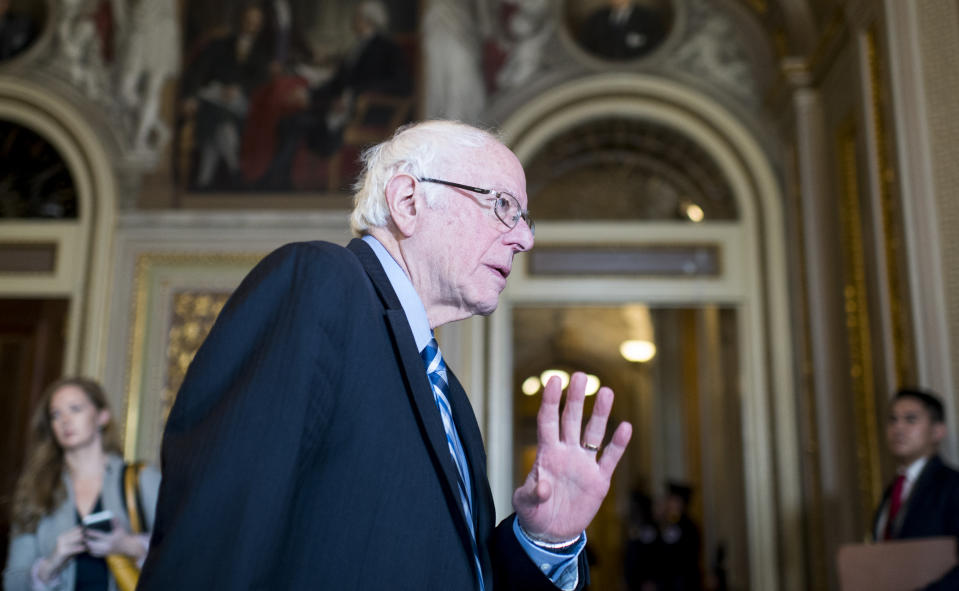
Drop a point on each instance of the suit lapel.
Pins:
(876, 534)
(917, 494)
(418, 386)
(472, 439)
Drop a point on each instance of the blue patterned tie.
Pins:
(436, 372)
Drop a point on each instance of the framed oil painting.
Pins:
(281, 96)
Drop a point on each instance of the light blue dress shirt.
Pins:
(561, 567)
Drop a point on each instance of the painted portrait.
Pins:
(283, 95)
(619, 30)
(20, 23)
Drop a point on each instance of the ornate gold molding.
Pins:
(146, 266)
(903, 352)
(858, 330)
(194, 313)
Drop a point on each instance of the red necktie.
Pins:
(895, 502)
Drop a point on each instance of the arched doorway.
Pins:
(746, 296)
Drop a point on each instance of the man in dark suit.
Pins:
(679, 565)
(375, 64)
(319, 441)
(923, 499)
(283, 36)
(216, 89)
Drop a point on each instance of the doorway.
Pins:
(679, 389)
(32, 342)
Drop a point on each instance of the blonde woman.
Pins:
(74, 470)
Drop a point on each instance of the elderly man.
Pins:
(320, 442)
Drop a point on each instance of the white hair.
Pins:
(412, 149)
(375, 13)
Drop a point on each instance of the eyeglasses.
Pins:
(505, 206)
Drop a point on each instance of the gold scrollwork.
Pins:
(190, 317)
(194, 313)
(902, 346)
(858, 330)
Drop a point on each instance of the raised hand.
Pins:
(571, 475)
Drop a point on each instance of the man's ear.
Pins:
(938, 432)
(402, 202)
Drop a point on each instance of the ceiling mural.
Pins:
(280, 97)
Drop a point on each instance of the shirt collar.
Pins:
(913, 470)
(405, 292)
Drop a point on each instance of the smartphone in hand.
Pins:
(100, 521)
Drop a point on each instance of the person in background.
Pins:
(680, 569)
(643, 554)
(74, 470)
(923, 499)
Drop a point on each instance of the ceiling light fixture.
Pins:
(637, 351)
(531, 385)
(563, 377)
(592, 384)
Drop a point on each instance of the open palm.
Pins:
(570, 477)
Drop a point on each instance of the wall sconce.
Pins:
(533, 384)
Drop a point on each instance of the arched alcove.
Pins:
(618, 168)
(81, 245)
(751, 281)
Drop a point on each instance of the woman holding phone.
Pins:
(74, 472)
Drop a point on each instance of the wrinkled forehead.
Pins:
(490, 166)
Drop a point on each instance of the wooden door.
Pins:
(32, 342)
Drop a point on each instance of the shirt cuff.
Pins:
(562, 568)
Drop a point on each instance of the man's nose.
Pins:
(521, 236)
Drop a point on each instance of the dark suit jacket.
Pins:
(932, 509)
(284, 45)
(381, 66)
(305, 450)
